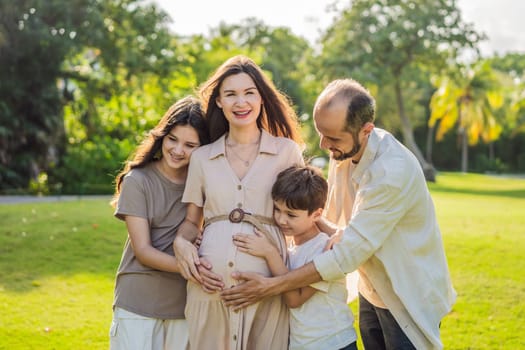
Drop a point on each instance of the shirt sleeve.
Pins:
(194, 188)
(377, 210)
(322, 286)
(132, 199)
(297, 155)
(317, 249)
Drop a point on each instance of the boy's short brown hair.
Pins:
(301, 188)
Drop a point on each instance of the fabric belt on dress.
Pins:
(238, 215)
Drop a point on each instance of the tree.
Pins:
(35, 37)
(383, 42)
(511, 145)
(468, 100)
(512, 65)
(72, 54)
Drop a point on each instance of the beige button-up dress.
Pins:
(213, 185)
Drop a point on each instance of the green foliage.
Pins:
(511, 150)
(58, 51)
(468, 99)
(388, 43)
(120, 85)
(36, 37)
(90, 167)
(482, 163)
(511, 63)
(205, 55)
(513, 68)
(281, 53)
(88, 76)
(39, 186)
(379, 39)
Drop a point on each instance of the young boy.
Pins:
(319, 315)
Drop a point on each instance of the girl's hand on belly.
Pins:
(211, 282)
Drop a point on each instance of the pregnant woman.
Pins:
(254, 136)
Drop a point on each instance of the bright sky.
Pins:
(501, 20)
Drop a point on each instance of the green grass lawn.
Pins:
(57, 266)
(58, 260)
(482, 220)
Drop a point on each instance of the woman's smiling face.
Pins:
(239, 100)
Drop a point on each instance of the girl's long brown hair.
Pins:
(187, 111)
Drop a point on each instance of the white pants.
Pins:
(130, 331)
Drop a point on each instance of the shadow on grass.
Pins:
(518, 193)
(509, 186)
(42, 240)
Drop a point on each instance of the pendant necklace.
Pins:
(244, 161)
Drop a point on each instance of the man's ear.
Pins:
(368, 127)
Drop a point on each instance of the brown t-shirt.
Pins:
(146, 193)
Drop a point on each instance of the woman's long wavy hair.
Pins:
(277, 114)
(186, 111)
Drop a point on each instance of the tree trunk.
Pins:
(464, 150)
(430, 143)
(408, 135)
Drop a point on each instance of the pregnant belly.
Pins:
(225, 258)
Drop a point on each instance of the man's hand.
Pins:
(211, 282)
(253, 288)
(335, 238)
(326, 226)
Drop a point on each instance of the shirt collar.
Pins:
(267, 145)
(371, 148)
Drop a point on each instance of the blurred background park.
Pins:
(82, 81)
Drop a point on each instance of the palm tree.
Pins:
(517, 108)
(467, 99)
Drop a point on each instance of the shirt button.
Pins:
(239, 187)
(234, 337)
(230, 264)
(239, 205)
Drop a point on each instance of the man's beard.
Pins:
(353, 151)
(344, 156)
